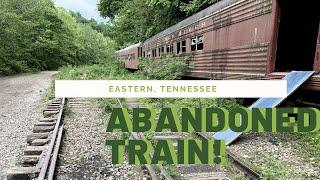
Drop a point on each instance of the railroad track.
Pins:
(40, 156)
(148, 171)
(242, 166)
(191, 172)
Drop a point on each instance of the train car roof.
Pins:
(195, 18)
(129, 47)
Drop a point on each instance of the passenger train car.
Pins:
(241, 39)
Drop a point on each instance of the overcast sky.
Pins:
(87, 8)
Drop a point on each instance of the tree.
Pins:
(110, 8)
(37, 36)
(137, 20)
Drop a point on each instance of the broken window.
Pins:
(181, 47)
(197, 43)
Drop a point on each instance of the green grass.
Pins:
(310, 142)
(171, 171)
(67, 111)
(272, 168)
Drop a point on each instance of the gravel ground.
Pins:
(84, 154)
(257, 148)
(20, 108)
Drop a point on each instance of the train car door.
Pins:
(297, 36)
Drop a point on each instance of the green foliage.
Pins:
(112, 70)
(273, 168)
(190, 102)
(164, 68)
(308, 145)
(171, 171)
(312, 138)
(110, 8)
(67, 111)
(137, 20)
(37, 36)
(189, 7)
(102, 28)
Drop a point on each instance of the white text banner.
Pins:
(171, 89)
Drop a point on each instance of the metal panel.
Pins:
(294, 79)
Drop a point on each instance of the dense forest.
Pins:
(136, 20)
(35, 35)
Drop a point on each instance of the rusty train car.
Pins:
(241, 39)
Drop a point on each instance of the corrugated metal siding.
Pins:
(238, 42)
(241, 12)
(236, 60)
(195, 18)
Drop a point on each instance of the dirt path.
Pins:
(20, 107)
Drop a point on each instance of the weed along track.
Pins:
(40, 156)
(190, 172)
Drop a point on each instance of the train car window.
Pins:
(139, 51)
(193, 44)
(197, 43)
(181, 47)
(200, 43)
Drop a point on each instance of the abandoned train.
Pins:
(241, 39)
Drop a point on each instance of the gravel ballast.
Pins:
(20, 108)
(84, 154)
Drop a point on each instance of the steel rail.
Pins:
(140, 136)
(55, 155)
(44, 168)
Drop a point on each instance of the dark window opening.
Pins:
(144, 54)
(181, 47)
(168, 49)
(139, 51)
(154, 53)
(297, 36)
(162, 49)
(197, 43)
